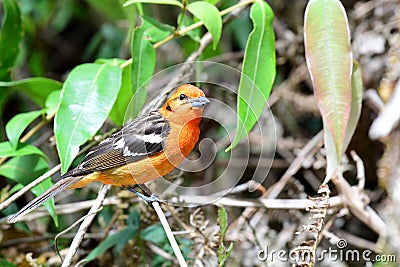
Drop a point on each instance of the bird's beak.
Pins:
(199, 101)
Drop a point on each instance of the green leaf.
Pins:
(117, 113)
(52, 102)
(223, 253)
(10, 37)
(144, 58)
(14, 189)
(38, 89)
(154, 233)
(209, 14)
(222, 221)
(329, 61)
(24, 170)
(87, 97)
(49, 204)
(158, 31)
(134, 218)
(16, 126)
(119, 239)
(159, 2)
(258, 73)
(5, 263)
(143, 64)
(194, 34)
(6, 150)
(213, 2)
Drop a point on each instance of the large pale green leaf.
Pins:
(24, 170)
(209, 14)
(329, 61)
(16, 126)
(258, 73)
(159, 2)
(87, 97)
(10, 37)
(7, 150)
(37, 88)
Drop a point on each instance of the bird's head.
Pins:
(185, 104)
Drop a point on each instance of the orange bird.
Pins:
(149, 147)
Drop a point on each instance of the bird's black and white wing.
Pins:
(143, 137)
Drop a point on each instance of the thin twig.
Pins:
(68, 229)
(85, 225)
(353, 199)
(252, 203)
(360, 170)
(169, 233)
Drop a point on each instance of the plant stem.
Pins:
(191, 27)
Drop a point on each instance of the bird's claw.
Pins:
(149, 199)
(153, 198)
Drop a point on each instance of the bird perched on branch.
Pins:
(147, 148)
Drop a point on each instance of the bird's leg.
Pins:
(147, 195)
(145, 189)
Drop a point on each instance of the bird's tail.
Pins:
(56, 189)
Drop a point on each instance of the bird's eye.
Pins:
(168, 108)
(182, 97)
